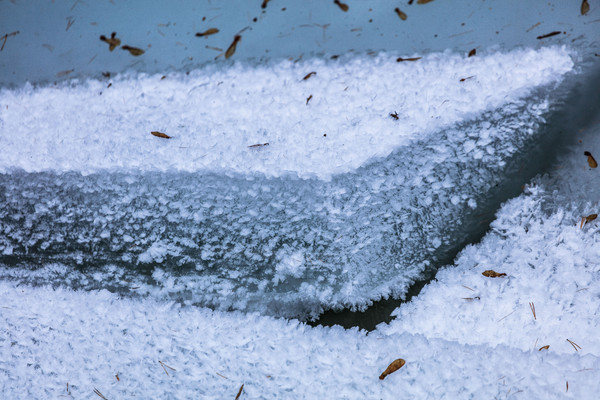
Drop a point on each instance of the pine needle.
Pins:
(99, 394)
(163, 365)
(532, 306)
(575, 345)
(239, 392)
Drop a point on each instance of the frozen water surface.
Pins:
(112, 240)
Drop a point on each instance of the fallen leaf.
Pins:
(585, 7)
(591, 160)
(400, 14)
(309, 75)
(342, 6)
(549, 35)
(134, 51)
(490, 273)
(393, 367)
(472, 52)
(546, 347)
(208, 32)
(585, 220)
(242, 387)
(113, 41)
(400, 59)
(160, 135)
(231, 50)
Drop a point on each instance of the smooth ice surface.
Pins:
(307, 223)
(214, 115)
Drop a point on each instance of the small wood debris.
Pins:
(393, 367)
(547, 35)
(575, 345)
(231, 49)
(472, 53)
(118, 379)
(99, 394)
(394, 115)
(64, 73)
(208, 32)
(546, 347)
(400, 14)
(106, 74)
(259, 145)
(532, 27)
(424, 1)
(308, 99)
(532, 307)
(113, 41)
(263, 6)
(410, 2)
(134, 51)
(585, 220)
(70, 22)
(591, 160)
(342, 6)
(160, 135)
(400, 59)
(242, 387)
(490, 273)
(163, 365)
(471, 298)
(585, 7)
(6, 36)
(309, 75)
(567, 386)
(468, 77)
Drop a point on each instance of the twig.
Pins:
(6, 36)
(99, 394)
(575, 345)
(532, 306)
(162, 364)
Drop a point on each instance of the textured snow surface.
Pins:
(93, 200)
(214, 115)
(51, 338)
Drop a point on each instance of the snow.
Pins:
(307, 223)
(464, 336)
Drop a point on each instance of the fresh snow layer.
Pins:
(214, 115)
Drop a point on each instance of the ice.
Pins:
(307, 223)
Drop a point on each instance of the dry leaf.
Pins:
(393, 367)
(400, 14)
(342, 6)
(208, 32)
(232, 46)
(400, 59)
(472, 52)
(490, 273)
(160, 135)
(134, 51)
(546, 347)
(591, 160)
(242, 387)
(113, 41)
(309, 75)
(585, 220)
(549, 35)
(585, 7)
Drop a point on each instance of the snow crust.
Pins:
(214, 115)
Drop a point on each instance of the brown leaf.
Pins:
(231, 50)
(400, 14)
(490, 273)
(472, 52)
(546, 347)
(241, 387)
(342, 6)
(113, 41)
(134, 51)
(547, 35)
(393, 367)
(208, 32)
(160, 135)
(309, 75)
(589, 218)
(585, 7)
(400, 59)
(591, 160)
